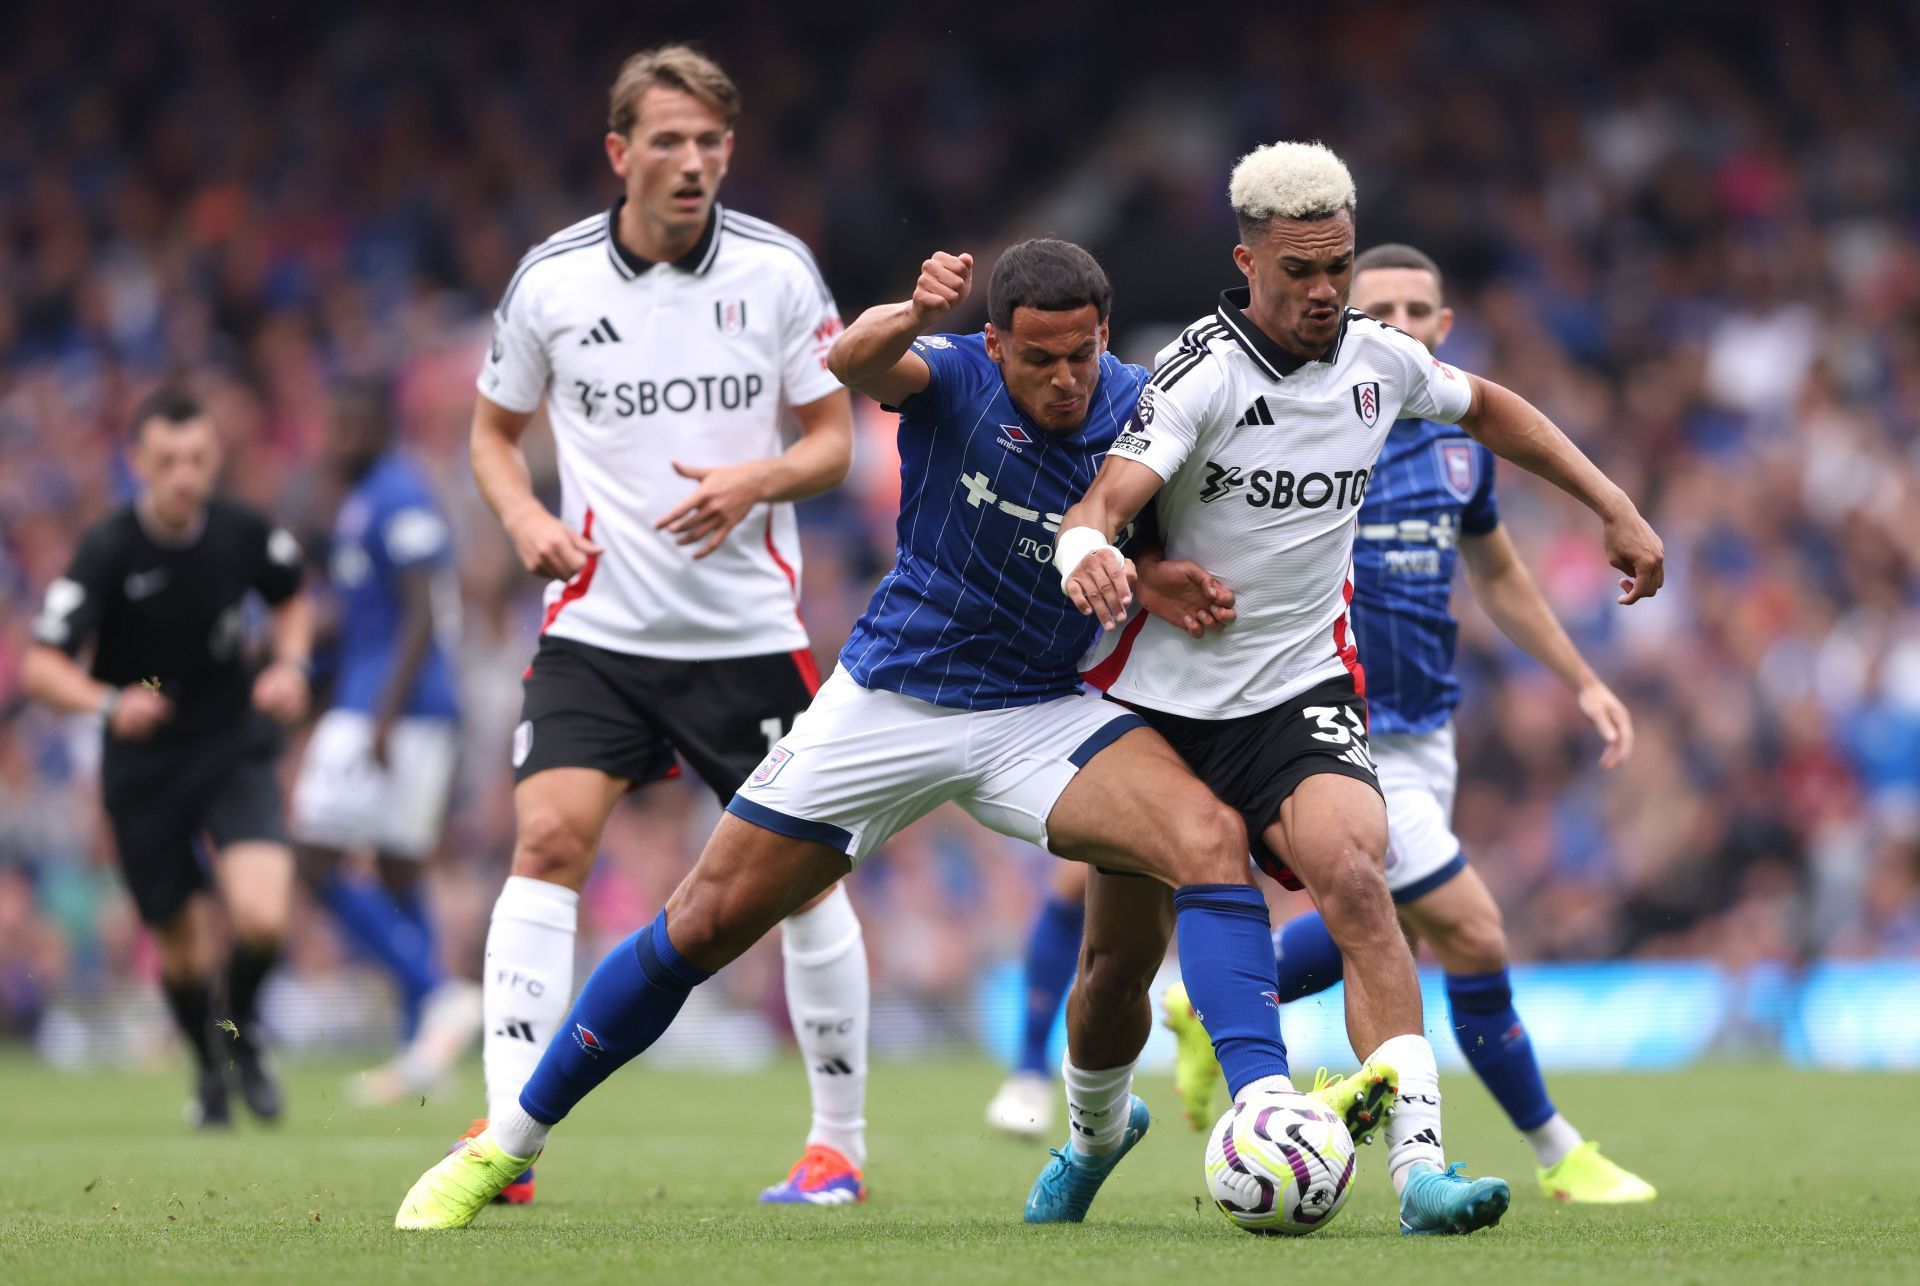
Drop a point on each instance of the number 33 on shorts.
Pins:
(1341, 726)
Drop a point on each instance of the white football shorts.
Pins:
(861, 764)
(345, 800)
(1418, 773)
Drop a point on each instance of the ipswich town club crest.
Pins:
(730, 315)
(1456, 468)
(1366, 400)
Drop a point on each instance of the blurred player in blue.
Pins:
(380, 764)
(960, 684)
(1431, 499)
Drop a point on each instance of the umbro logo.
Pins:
(1014, 438)
(602, 333)
(1255, 414)
(1221, 479)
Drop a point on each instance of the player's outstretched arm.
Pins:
(875, 355)
(546, 546)
(1095, 575)
(1510, 426)
(1514, 602)
(727, 493)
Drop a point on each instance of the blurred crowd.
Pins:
(1690, 233)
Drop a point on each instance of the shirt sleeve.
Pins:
(1435, 390)
(71, 610)
(806, 333)
(412, 533)
(949, 371)
(1481, 514)
(516, 372)
(280, 568)
(1168, 419)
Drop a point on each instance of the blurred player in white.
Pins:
(669, 340)
(1256, 439)
(379, 767)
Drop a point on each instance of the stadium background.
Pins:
(1686, 231)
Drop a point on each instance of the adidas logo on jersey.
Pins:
(1255, 414)
(602, 333)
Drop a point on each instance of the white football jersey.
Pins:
(642, 364)
(1266, 460)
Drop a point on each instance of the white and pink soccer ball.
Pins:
(1280, 1164)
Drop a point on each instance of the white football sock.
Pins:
(826, 972)
(1098, 1106)
(1413, 1131)
(1266, 1084)
(1552, 1141)
(517, 1134)
(527, 985)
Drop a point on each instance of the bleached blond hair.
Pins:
(1289, 181)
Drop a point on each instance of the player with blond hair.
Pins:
(1256, 440)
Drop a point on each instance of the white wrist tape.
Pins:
(1074, 544)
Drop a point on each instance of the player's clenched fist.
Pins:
(548, 547)
(1633, 548)
(944, 282)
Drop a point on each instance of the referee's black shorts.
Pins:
(626, 716)
(1255, 762)
(163, 798)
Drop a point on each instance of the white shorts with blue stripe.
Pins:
(861, 764)
(1418, 773)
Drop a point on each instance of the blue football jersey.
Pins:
(390, 524)
(1433, 484)
(972, 615)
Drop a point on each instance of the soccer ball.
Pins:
(1280, 1164)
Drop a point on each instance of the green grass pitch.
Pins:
(1766, 1175)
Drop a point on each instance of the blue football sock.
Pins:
(1053, 953)
(631, 998)
(1226, 961)
(1496, 1045)
(1306, 957)
(376, 925)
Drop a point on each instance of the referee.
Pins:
(158, 589)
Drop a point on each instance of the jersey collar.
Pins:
(1276, 361)
(697, 260)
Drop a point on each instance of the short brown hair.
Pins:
(678, 67)
(172, 403)
(1395, 254)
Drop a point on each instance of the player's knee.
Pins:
(1212, 848)
(1477, 944)
(1353, 897)
(398, 875)
(550, 848)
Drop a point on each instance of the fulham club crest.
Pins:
(730, 315)
(1366, 401)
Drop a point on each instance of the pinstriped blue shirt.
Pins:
(1432, 485)
(972, 615)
